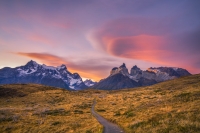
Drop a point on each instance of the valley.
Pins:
(171, 106)
(99, 66)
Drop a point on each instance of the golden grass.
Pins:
(168, 107)
(37, 108)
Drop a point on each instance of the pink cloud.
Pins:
(148, 40)
(87, 68)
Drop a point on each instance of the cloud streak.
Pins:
(154, 42)
(137, 32)
(88, 68)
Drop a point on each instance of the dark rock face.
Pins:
(135, 70)
(120, 78)
(146, 82)
(42, 74)
(118, 81)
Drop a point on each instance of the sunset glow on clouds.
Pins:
(92, 37)
(150, 40)
(82, 66)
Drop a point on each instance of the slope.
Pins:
(171, 106)
(38, 108)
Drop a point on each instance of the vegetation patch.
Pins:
(185, 97)
(83, 106)
(101, 110)
(56, 123)
(129, 113)
(9, 92)
(78, 112)
(5, 119)
(56, 112)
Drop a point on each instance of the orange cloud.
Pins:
(46, 58)
(85, 70)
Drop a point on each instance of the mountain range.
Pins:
(33, 72)
(119, 77)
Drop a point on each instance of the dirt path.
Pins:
(108, 126)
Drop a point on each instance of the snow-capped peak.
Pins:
(60, 75)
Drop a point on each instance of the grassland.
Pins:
(168, 107)
(36, 108)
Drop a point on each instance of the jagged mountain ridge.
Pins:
(59, 76)
(33, 72)
(120, 78)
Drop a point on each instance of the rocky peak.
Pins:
(122, 69)
(135, 67)
(119, 77)
(135, 70)
(76, 76)
(123, 65)
(31, 64)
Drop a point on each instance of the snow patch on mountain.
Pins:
(48, 67)
(75, 81)
(25, 72)
(89, 82)
(55, 76)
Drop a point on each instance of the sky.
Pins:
(92, 36)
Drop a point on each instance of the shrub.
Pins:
(78, 112)
(56, 123)
(101, 110)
